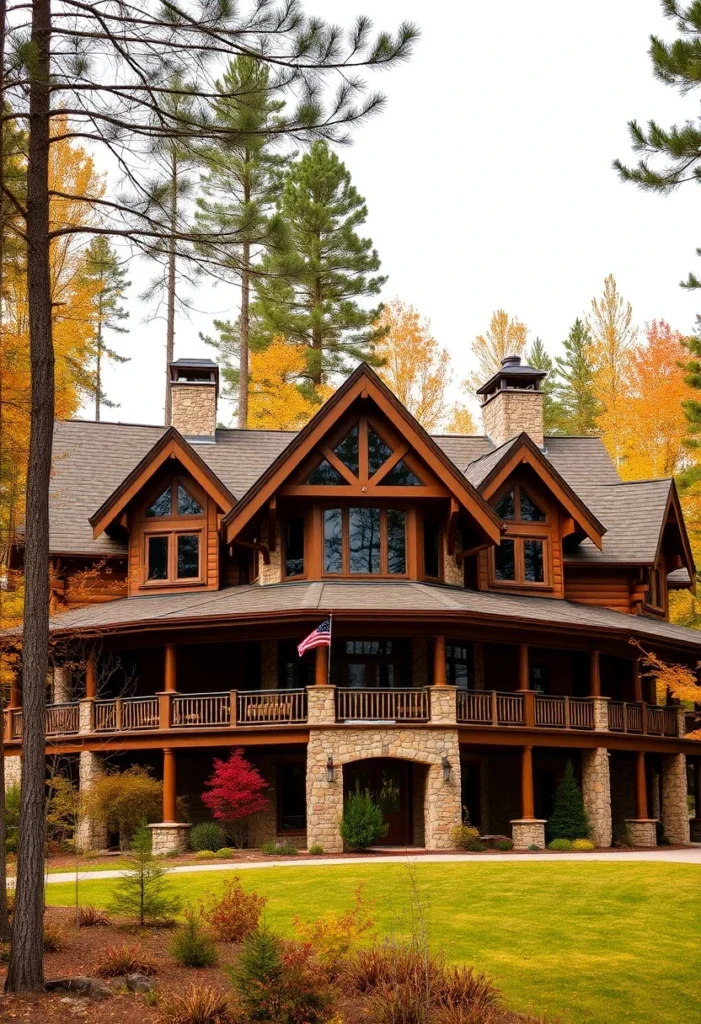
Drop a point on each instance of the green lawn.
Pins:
(597, 943)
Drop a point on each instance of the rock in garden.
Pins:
(139, 983)
(93, 988)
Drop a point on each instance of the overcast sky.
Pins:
(488, 181)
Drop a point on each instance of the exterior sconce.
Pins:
(445, 764)
(330, 770)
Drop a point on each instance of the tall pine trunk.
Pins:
(170, 319)
(98, 368)
(25, 971)
(243, 342)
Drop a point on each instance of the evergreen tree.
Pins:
(310, 294)
(244, 177)
(539, 357)
(574, 382)
(102, 265)
(142, 889)
(569, 820)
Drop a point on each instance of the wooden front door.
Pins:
(389, 784)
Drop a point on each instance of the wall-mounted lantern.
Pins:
(330, 770)
(445, 764)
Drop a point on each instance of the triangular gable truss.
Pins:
(523, 450)
(413, 445)
(170, 445)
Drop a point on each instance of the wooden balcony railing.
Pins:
(272, 707)
(510, 708)
(650, 719)
(382, 705)
(489, 707)
(62, 719)
(201, 709)
(564, 712)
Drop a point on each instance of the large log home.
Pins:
(483, 592)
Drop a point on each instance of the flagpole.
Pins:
(328, 660)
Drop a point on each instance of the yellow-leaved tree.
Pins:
(613, 334)
(506, 336)
(275, 401)
(460, 420)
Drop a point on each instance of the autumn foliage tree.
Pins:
(610, 324)
(505, 336)
(275, 401)
(412, 363)
(235, 792)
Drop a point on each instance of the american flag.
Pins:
(320, 637)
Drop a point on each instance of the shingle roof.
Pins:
(479, 470)
(337, 597)
(633, 514)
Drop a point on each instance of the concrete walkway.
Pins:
(691, 855)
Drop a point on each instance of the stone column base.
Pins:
(13, 771)
(642, 831)
(528, 832)
(695, 830)
(169, 837)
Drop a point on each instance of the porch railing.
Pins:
(642, 718)
(272, 707)
(382, 705)
(564, 712)
(489, 707)
(62, 719)
(201, 709)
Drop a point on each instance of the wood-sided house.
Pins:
(483, 593)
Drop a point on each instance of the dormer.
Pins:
(512, 402)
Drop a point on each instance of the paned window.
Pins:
(158, 558)
(348, 450)
(521, 559)
(172, 554)
(364, 541)
(187, 505)
(325, 474)
(162, 505)
(458, 659)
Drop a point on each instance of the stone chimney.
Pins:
(194, 388)
(512, 402)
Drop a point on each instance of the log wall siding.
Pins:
(608, 588)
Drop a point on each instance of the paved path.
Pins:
(692, 855)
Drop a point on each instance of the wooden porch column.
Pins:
(170, 677)
(439, 661)
(523, 673)
(321, 673)
(640, 787)
(527, 800)
(90, 678)
(637, 682)
(594, 675)
(169, 787)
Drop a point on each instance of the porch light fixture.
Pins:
(445, 764)
(330, 770)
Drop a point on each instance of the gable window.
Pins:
(172, 557)
(522, 556)
(364, 541)
(363, 456)
(173, 528)
(655, 596)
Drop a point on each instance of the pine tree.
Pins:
(539, 357)
(574, 382)
(569, 820)
(142, 891)
(311, 294)
(244, 176)
(102, 265)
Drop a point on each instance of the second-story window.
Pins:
(364, 541)
(173, 535)
(521, 559)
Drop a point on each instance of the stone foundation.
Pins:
(89, 835)
(169, 837)
(596, 791)
(527, 832)
(642, 831)
(675, 810)
(426, 746)
(13, 771)
(695, 830)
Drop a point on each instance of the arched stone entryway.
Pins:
(437, 804)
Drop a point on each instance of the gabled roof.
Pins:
(170, 444)
(489, 472)
(362, 383)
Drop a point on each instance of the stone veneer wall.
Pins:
(272, 572)
(675, 809)
(194, 409)
(90, 835)
(596, 791)
(510, 411)
(13, 771)
(425, 745)
(453, 569)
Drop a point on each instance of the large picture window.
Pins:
(364, 541)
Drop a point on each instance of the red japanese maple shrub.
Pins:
(236, 790)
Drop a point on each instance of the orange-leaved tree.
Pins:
(506, 336)
(680, 681)
(275, 401)
(414, 365)
(613, 334)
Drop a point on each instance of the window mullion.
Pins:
(519, 559)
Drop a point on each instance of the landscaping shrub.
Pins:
(276, 849)
(236, 790)
(206, 835)
(315, 849)
(125, 959)
(402, 982)
(475, 846)
(226, 852)
(560, 844)
(54, 938)
(192, 945)
(504, 844)
(123, 800)
(533, 846)
(205, 855)
(461, 835)
(362, 823)
(199, 1004)
(90, 917)
(464, 995)
(583, 844)
(280, 982)
(569, 820)
(236, 913)
(334, 935)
